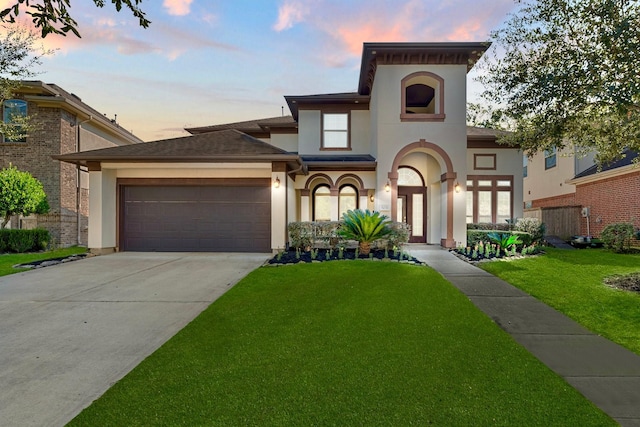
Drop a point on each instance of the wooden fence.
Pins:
(563, 221)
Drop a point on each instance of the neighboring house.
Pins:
(399, 145)
(64, 125)
(572, 197)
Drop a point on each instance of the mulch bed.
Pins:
(295, 257)
(626, 282)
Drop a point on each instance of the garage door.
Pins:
(234, 217)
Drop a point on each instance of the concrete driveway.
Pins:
(68, 332)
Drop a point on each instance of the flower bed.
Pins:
(319, 255)
(484, 251)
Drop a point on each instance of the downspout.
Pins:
(79, 181)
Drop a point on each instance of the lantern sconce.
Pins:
(457, 187)
(276, 183)
(387, 187)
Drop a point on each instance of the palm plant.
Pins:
(504, 241)
(364, 227)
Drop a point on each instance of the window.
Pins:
(550, 158)
(409, 177)
(348, 199)
(422, 97)
(489, 199)
(322, 203)
(335, 131)
(525, 163)
(14, 110)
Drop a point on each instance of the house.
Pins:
(64, 124)
(398, 145)
(575, 197)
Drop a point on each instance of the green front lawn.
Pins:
(342, 343)
(571, 282)
(7, 261)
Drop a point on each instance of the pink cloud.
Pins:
(345, 26)
(177, 7)
(290, 13)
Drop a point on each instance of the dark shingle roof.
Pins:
(247, 126)
(226, 145)
(625, 161)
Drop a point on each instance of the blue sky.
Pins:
(219, 61)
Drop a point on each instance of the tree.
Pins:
(20, 194)
(565, 73)
(18, 57)
(52, 16)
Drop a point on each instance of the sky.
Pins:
(220, 61)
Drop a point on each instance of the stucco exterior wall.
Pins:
(391, 134)
(287, 142)
(542, 183)
(508, 163)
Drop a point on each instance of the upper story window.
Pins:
(422, 97)
(335, 131)
(550, 158)
(13, 112)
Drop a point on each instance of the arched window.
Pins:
(322, 203)
(13, 112)
(348, 199)
(422, 97)
(409, 177)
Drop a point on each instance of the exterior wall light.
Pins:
(387, 187)
(276, 183)
(372, 198)
(457, 187)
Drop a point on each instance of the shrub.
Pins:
(476, 236)
(489, 226)
(399, 235)
(533, 226)
(20, 241)
(617, 236)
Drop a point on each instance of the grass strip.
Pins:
(7, 261)
(571, 281)
(342, 343)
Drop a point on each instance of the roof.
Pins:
(374, 54)
(481, 133)
(53, 95)
(347, 98)
(223, 146)
(249, 126)
(340, 162)
(627, 160)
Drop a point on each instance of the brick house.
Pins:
(574, 198)
(64, 125)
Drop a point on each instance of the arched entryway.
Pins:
(440, 179)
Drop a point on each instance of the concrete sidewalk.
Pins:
(68, 332)
(604, 372)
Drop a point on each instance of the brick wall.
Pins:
(610, 200)
(56, 134)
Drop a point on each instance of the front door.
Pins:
(412, 210)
